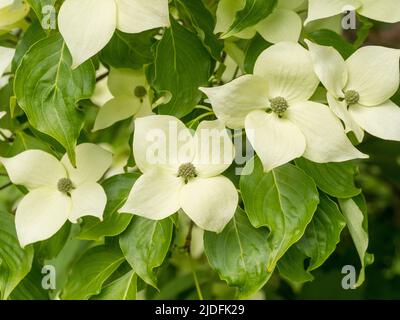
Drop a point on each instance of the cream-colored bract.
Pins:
(126, 103)
(45, 209)
(162, 146)
(372, 72)
(6, 56)
(12, 12)
(283, 24)
(380, 10)
(285, 72)
(88, 25)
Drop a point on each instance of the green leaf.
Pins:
(30, 288)
(335, 179)
(32, 35)
(117, 189)
(256, 46)
(182, 65)
(253, 12)
(47, 89)
(50, 248)
(126, 50)
(239, 254)
(39, 5)
(123, 288)
(318, 243)
(323, 233)
(291, 266)
(145, 244)
(90, 272)
(204, 24)
(330, 38)
(355, 214)
(284, 200)
(15, 262)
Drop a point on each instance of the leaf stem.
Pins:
(196, 280)
(187, 247)
(203, 108)
(204, 115)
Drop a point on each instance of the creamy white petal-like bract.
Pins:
(233, 101)
(320, 9)
(135, 16)
(88, 25)
(11, 12)
(162, 141)
(88, 199)
(289, 72)
(276, 141)
(281, 25)
(214, 150)
(40, 214)
(34, 169)
(380, 10)
(122, 82)
(325, 138)
(116, 109)
(125, 101)
(341, 110)
(330, 67)
(92, 163)
(155, 195)
(382, 121)
(6, 56)
(374, 73)
(210, 202)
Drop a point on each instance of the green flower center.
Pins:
(187, 171)
(65, 185)
(351, 97)
(279, 105)
(140, 91)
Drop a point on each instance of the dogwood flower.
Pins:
(273, 106)
(181, 171)
(131, 98)
(11, 12)
(88, 25)
(283, 24)
(380, 10)
(57, 191)
(359, 89)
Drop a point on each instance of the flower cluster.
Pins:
(184, 171)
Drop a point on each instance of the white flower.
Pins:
(11, 12)
(88, 25)
(359, 89)
(380, 10)
(282, 84)
(57, 191)
(6, 56)
(283, 24)
(132, 97)
(182, 171)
